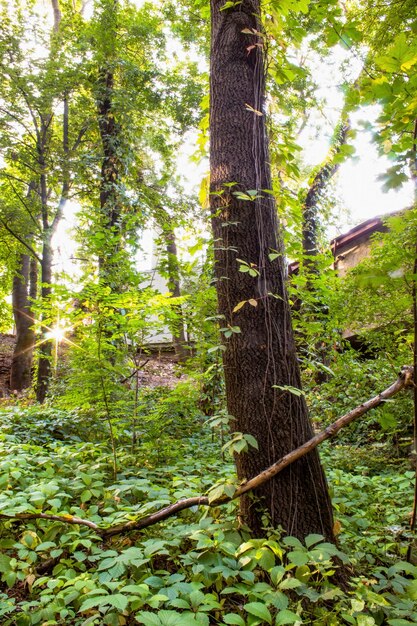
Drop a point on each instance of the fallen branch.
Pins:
(67, 519)
(405, 379)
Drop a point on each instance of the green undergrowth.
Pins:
(199, 567)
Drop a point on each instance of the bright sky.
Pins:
(361, 191)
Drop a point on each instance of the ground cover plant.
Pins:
(201, 567)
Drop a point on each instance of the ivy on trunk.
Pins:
(260, 360)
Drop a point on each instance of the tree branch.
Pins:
(24, 203)
(68, 519)
(20, 240)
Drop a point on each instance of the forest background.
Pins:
(120, 499)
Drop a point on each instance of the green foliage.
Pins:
(390, 427)
(107, 450)
(193, 568)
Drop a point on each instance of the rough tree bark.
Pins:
(262, 355)
(110, 204)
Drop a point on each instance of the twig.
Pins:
(137, 370)
(67, 519)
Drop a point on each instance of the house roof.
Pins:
(354, 236)
(357, 234)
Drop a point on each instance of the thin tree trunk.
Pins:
(178, 333)
(20, 374)
(262, 355)
(23, 294)
(45, 347)
(311, 217)
(49, 228)
(172, 268)
(33, 279)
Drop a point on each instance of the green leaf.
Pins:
(93, 602)
(150, 619)
(287, 617)
(230, 5)
(294, 390)
(10, 579)
(251, 441)
(119, 601)
(411, 591)
(231, 618)
(216, 493)
(259, 610)
(298, 557)
(293, 542)
(86, 495)
(4, 563)
(312, 539)
(165, 618)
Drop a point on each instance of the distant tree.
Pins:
(35, 171)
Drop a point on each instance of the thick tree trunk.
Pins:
(262, 355)
(20, 374)
(110, 203)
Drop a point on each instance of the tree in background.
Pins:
(36, 174)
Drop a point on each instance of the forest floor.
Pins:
(159, 370)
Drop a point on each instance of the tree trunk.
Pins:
(166, 224)
(262, 355)
(311, 217)
(178, 333)
(45, 347)
(20, 374)
(110, 203)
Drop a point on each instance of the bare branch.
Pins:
(80, 135)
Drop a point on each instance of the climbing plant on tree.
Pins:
(260, 362)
